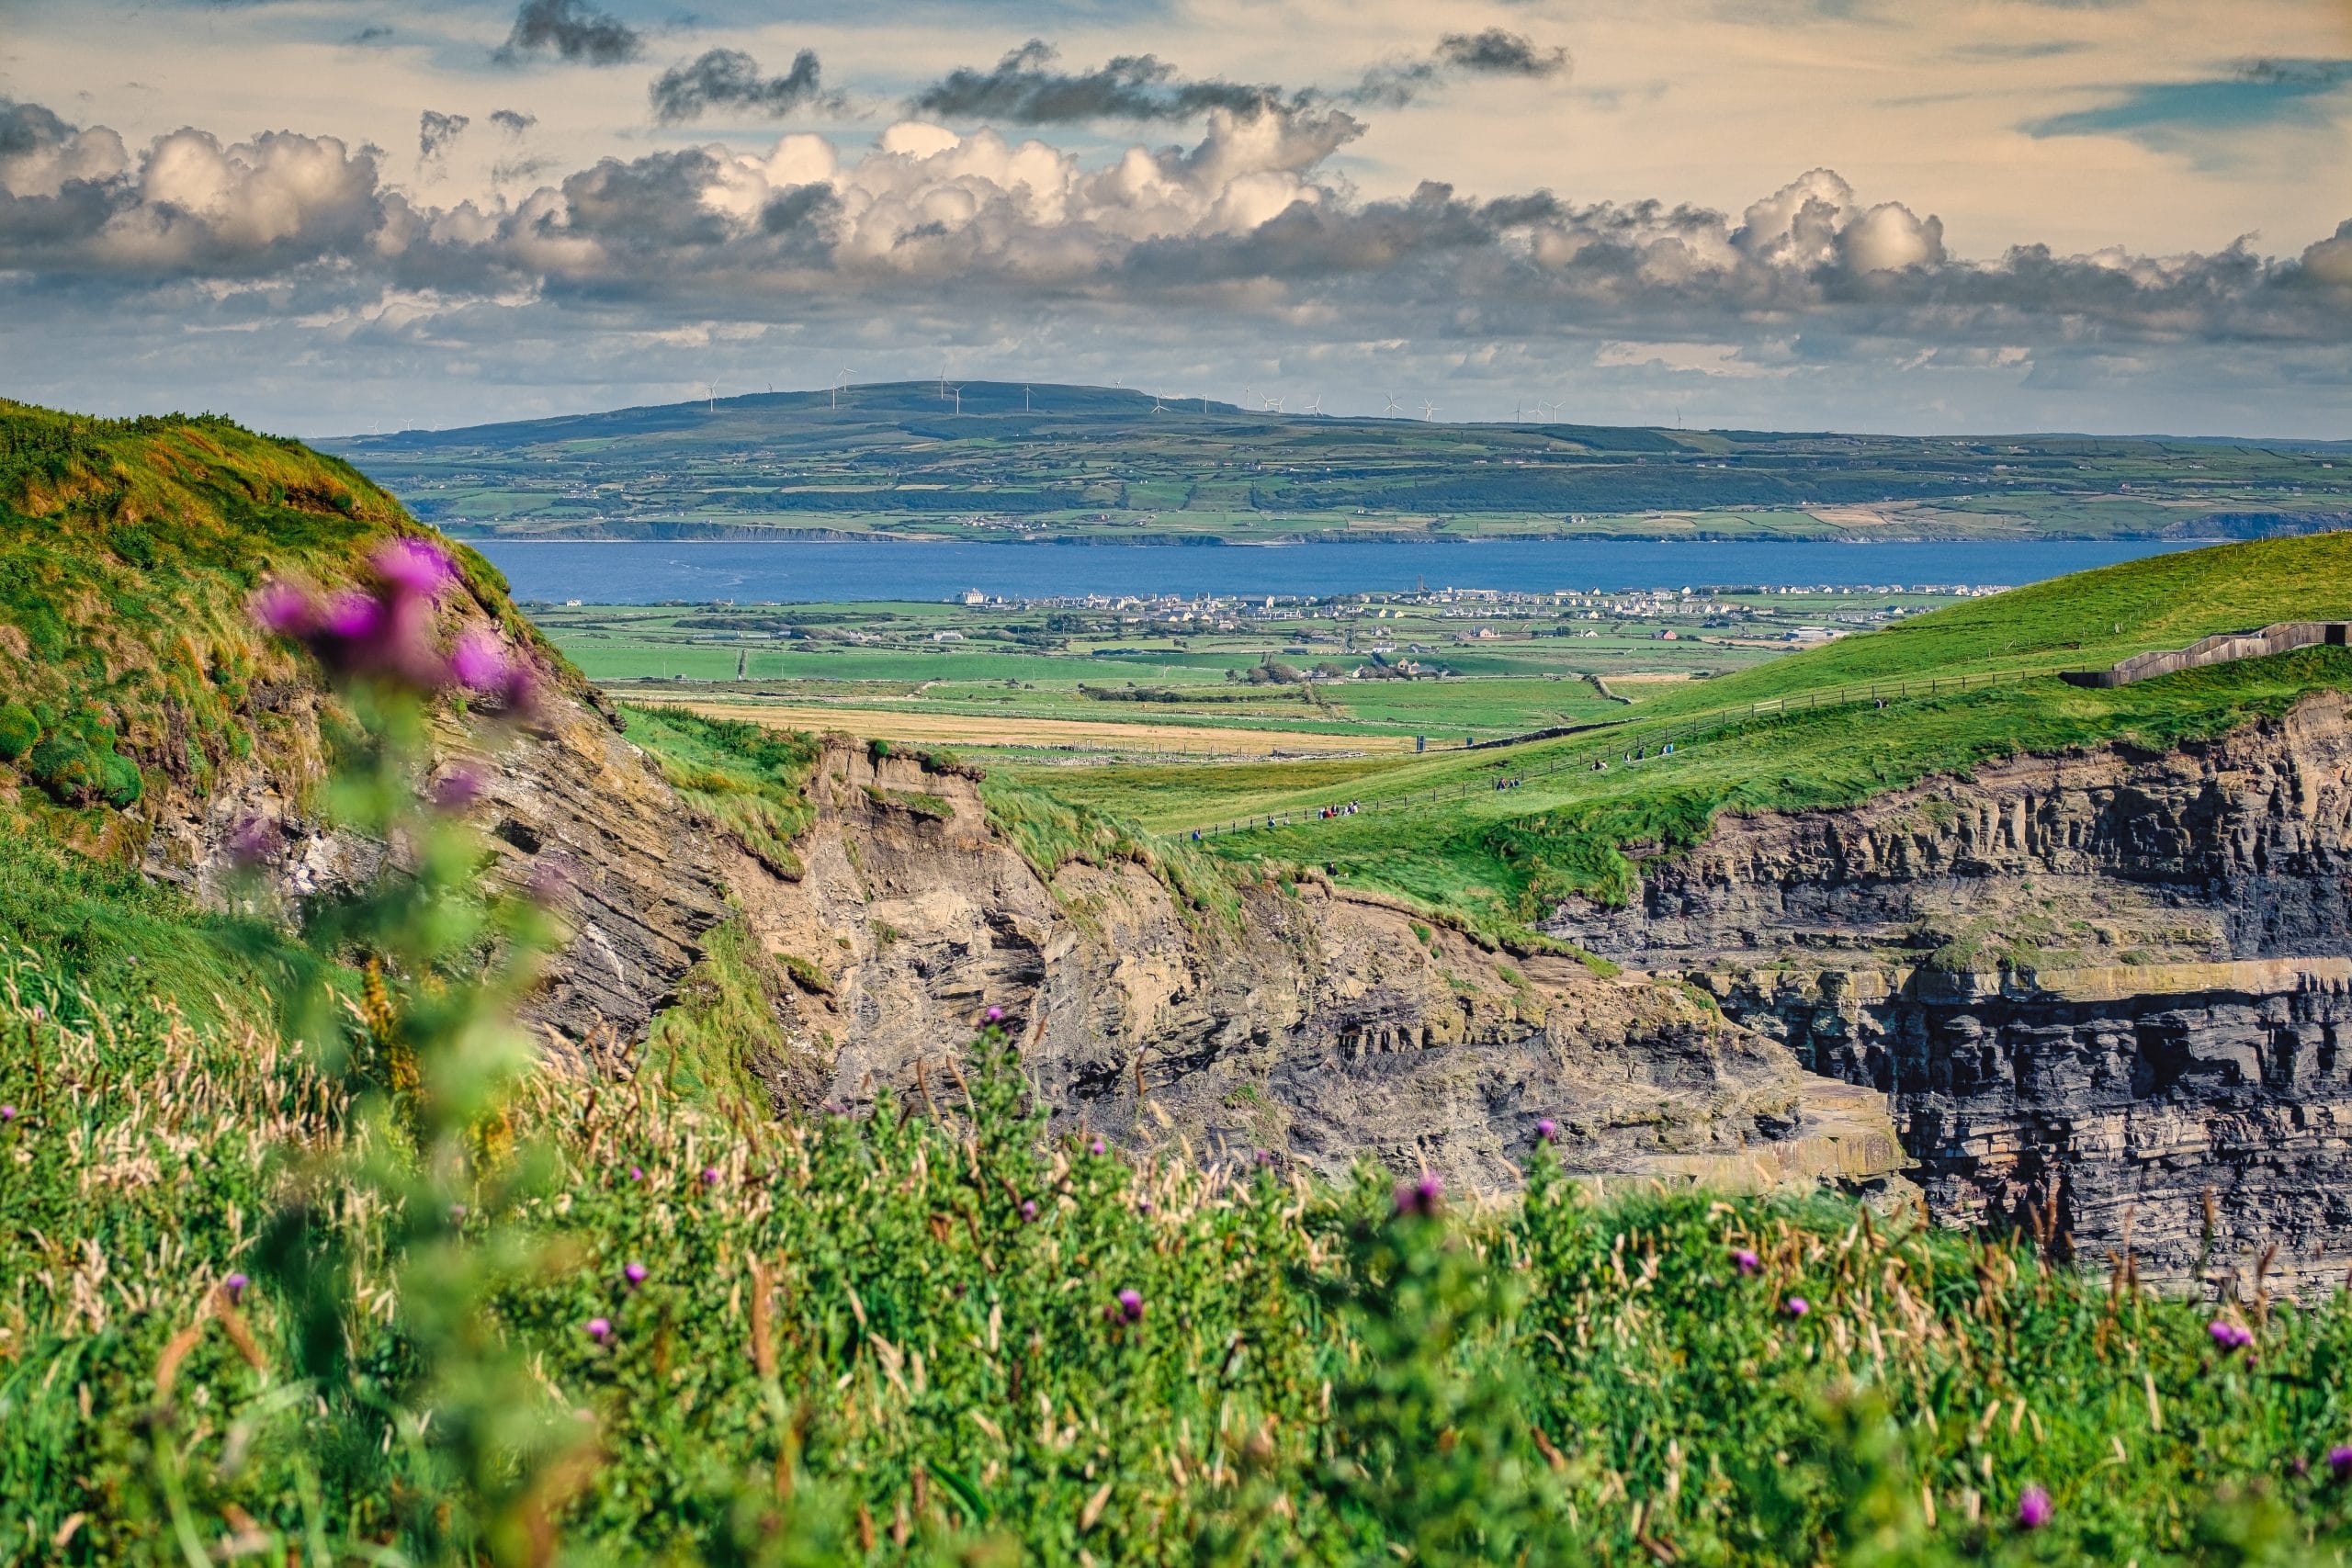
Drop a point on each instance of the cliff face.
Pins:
(2100, 984)
(569, 807)
(1320, 1026)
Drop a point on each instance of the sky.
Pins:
(327, 217)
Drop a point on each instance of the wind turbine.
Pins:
(957, 393)
(1315, 405)
(1394, 406)
(1025, 398)
(840, 386)
(1156, 404)
(710, 389)
(1428, 410)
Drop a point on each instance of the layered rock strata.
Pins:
(2108, 985)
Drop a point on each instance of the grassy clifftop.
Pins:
(1804, 732)
(132, 677)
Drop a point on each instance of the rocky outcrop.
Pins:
(1312, 1023)
(570, 808)
(2103, 985)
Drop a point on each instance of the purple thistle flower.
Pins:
(416, 567)
(2228, 1335)
(2034, 1508)
(1746, 1262)
(285, 609)
(1547, 1129)
(249, 845)
(634, 1273)
(456, 790)
(353, 617)
(1131, 1306)
(1797, 1306)
(2339, 1461)
(1029, 1209)
(1095, 1147)
(479, 662)
(636, 1173)
(710, 1176)
(234, 1286)
(996, 1015)
(1420, 1197)
(7, 1114)
(600, 1329)
(1264, 1157)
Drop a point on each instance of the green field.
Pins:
(1014, 463)
(1442, 666)
(1750, 740)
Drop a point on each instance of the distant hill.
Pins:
(1001, 461)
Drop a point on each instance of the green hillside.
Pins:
(1960, 685)
(132, 677)
(995, 460)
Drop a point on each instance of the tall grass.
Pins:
(903, 1339)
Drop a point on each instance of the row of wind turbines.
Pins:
(953, 392)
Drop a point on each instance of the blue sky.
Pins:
(324, 215)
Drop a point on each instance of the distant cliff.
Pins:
(2103, 985)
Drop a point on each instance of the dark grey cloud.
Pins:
(26, 127)
(437, 132)
(728, 79)
(1500, 53)
(514, 122)
(369, 37)
(1023, 89)
(574, 30)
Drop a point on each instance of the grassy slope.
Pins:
(1498, 857)
(129, 550)
(852, 1319)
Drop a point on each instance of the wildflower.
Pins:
(600, 1329)
(2339, 1461)
(2033, 1508)
(234, 1287)
(283, 609)
(2228, 1335)
(634, 1273)
(249, 845)
(710, 1176)
(353, 617)
(1029, 1209)
(1420, 1197)
(1746, 1262)
(479, 662)
(636, 1173)
(1546, 1130)
(1797, 1306)
(456, 790)
(1264, 1157)
(7, 1114)
(414, 566)
(1127, 1308)
(1095, 1147)
(996, 1015)
(1143, 1205)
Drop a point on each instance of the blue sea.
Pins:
(647, 572)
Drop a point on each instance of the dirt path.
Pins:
(985, 729)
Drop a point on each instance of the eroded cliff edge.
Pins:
(2106, 982)
(1311, 1022)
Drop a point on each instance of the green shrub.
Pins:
(66, 767)
(119, 779)
(19, 731)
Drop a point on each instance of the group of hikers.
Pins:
(1350, 809)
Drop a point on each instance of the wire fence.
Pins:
(1627, 744)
